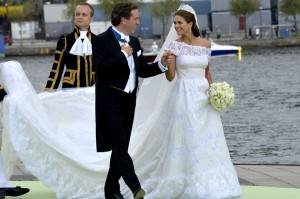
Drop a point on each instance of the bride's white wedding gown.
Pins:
(177, 145)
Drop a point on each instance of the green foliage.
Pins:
(28, 11)
(32, 9)
(162, 10)
(106, 6)
(290, 7)
(71, 5)
(244, 8)
(15, 13)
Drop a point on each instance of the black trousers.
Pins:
(118, 119)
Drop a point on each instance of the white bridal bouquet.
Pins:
(221, 96)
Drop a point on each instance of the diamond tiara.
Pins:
(187, 8)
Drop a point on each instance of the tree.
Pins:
(291, 8)
(106, 6)
(162, 9)
(244, 8)
(31, 10)
(16, 14)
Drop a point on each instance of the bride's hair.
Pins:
(189, 17)
(189, 14)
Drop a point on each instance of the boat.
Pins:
(224, 50)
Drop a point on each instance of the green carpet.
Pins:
(40, 191)
(37, 190)
(258, 192)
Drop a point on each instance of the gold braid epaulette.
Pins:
(58, 65)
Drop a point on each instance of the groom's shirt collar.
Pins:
(131, 82)
(120, 36)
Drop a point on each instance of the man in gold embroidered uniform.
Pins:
(74, 51)
(6, 189)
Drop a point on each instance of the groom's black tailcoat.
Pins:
(115, 108)
(112, 70)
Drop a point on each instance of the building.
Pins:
(212, 14)
(14, 21)
(57, 24)
(223, 20)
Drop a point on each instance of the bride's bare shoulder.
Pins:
(204, 42)
(179, 39)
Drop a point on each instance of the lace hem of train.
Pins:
(43, 162)
(214, 184)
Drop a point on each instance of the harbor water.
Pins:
(263, 126)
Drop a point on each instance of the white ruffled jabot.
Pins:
(82, 46)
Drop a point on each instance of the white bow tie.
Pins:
(82, 47)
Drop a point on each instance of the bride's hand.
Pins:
(164, 59)
(171, 58)
(167, 58)
(171, 63)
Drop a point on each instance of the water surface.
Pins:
(263, 126)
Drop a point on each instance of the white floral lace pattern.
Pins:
(181, 48)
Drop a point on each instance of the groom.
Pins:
(118, 61)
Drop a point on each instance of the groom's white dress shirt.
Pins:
(130, 86)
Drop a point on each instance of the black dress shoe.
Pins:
(115, 196)
(138, 194)
(14, 191)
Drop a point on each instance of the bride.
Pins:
(177, 145)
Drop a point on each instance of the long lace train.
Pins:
(53, 134)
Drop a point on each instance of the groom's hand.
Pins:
(127, 49)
